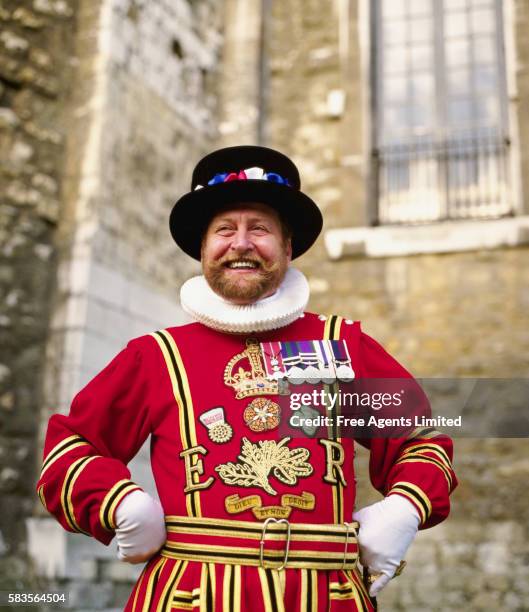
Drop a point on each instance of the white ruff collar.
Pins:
(280, 309)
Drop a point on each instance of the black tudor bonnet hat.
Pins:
(244, 174)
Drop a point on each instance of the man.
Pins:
(250, 518)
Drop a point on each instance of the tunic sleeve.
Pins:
(418, 466)
(84, 474)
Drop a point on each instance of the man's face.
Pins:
(244, 254)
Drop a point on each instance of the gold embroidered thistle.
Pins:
(249, 382)
(258, 460)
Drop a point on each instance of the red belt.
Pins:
(275, 543)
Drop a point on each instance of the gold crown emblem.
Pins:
(249, 382)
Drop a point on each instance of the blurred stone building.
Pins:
(409, 120)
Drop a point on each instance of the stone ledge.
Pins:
(442, 237)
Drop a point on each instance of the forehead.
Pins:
(246, 209)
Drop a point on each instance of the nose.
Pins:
(241, 241)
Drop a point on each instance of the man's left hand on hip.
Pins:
(387, 528)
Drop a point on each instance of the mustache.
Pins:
(230, 259)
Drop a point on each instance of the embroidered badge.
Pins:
(258, 460)
(235, 504)
(262, 414)
(218, 430)
(248, 382)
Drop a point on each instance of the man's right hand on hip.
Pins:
(140, 527)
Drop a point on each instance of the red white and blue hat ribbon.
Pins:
(253, 174)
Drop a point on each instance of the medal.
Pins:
(271, 354)
(342, 361)
(325, 361)
(309, 359)
(308, 414)
(282, 386)
(262, 414)
(218, 430)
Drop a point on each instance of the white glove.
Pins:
(140, 527)
(387, 528)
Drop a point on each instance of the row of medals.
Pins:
(263, 414)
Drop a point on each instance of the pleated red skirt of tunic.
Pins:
(169, 584)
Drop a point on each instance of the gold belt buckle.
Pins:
(263, 536)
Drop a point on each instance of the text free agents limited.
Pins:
(298, 420)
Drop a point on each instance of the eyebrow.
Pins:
(250, 220)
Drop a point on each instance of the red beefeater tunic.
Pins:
(216, 454)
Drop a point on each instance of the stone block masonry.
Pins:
(104, 107)
(36, 44)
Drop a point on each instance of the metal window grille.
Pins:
(441, 140)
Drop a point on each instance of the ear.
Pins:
(289, 250)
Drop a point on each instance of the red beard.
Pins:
(264, 281)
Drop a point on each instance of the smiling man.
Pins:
(255, 514)
(245, 253)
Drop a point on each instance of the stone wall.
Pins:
(239, 86)
(36, 42)
(105, 106)
(449, 315)
(143, 112)
(317, 100)
(456, 314)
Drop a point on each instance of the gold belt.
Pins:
(275, 543)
